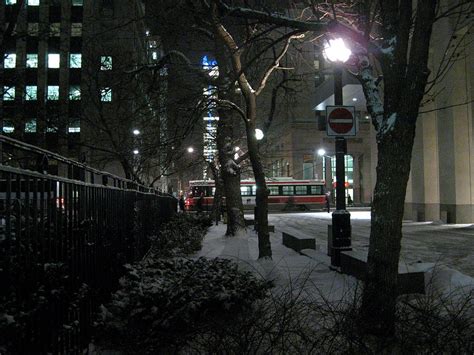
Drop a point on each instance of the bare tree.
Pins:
(390, 42)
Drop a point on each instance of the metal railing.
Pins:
(63, 243)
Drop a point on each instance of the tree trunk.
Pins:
(230, 175)
(393, 170)
(261, 200)
(230, 171)
(217, 202)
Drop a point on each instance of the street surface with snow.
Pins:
(444, 252)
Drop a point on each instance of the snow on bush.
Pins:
(163, 302)
(181, 236)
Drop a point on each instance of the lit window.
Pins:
(53, 92)
(246, 190)
(8, 126)
(32, 60)
(53, 60)
(106, 62)
(75, 60)
(55, 29)
(51, 129)
(74, 93)
(106, 94)
(74, 126)
(8, 93)
(10, 2)
(33, 29)
(10, 61)
(77, 2)
(31, 92)
(30, 126)
(274, 190)
(33, 2)
(76, 29)
(154, 55)
(301, 190)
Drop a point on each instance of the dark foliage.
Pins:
(162, 303)
(181, 236)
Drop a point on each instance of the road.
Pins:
(448, 244)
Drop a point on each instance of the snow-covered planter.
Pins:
(162, 302)
(181, 236)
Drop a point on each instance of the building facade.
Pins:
(298, 130)
(441, 185)
(71, 83)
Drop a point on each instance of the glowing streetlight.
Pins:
(135, 151)
(136, 132)
(321, 152)
(259, 134)
(335, 50)
(190, 149)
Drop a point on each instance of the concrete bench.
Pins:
(294, 239)
(249, 222)
(354, 263)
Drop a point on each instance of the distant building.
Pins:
(70, 80)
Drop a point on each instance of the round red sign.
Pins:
(340, 120)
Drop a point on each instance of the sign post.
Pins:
(341, 123)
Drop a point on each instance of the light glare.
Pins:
(259, 134)
(335, 50)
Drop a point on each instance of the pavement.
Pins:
(451, 245)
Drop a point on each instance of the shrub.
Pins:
(163, 302)
(181, 236)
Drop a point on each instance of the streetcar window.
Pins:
(287, 190)
(254, 189)
(274, 190)
(197, 190)
(301, 190)
(246, 190)
(317, 190)
(213, 191)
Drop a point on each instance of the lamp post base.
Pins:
(341, 235)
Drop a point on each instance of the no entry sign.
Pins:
(340, 121)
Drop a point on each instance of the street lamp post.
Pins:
(336, 52)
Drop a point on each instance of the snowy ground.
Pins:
(450, 245)
(436, 249)
(287, 267)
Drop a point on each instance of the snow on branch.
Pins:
(272, 17)
(372, 93)
(276, 62)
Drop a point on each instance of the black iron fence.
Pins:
(63, 241)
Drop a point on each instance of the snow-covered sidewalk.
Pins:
(288, 269)
(310, 272)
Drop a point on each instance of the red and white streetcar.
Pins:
(284, 193)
